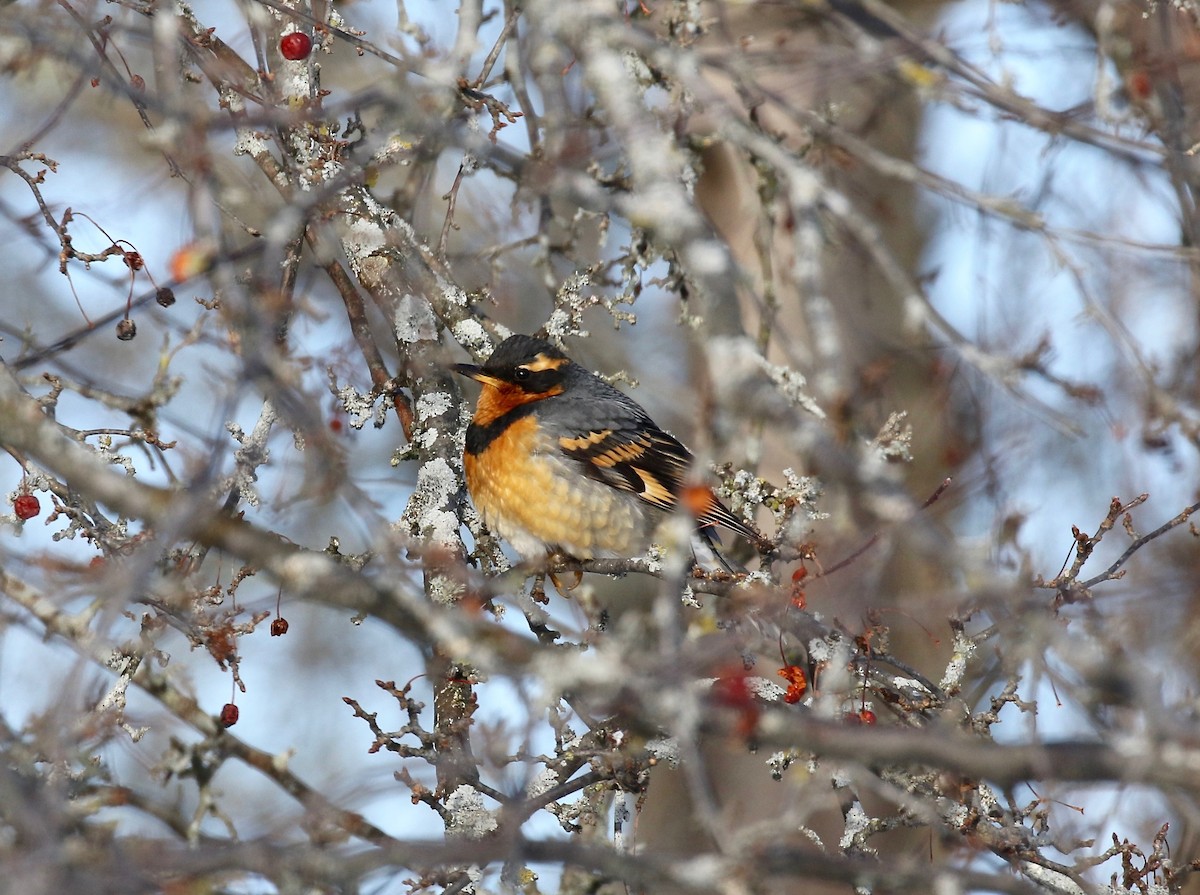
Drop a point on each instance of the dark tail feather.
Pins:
(708, 534)
(716, 513)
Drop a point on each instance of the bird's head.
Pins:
(521, 369)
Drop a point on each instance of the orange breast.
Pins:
(535, 498)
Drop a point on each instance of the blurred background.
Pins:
(977, 214)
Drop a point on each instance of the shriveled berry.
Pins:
(126, 329)
(279, 626)
(229, 714)
(26, 506)
(295, 46)
(164, 296)
(797, 683)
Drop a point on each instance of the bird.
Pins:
(559, 461)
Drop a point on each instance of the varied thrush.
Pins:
(557, 460)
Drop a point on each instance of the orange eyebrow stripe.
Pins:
(543, 362)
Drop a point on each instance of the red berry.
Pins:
(866, 716)
(733, 690)
(26, 506)
(229, 714)
(295, 46)
(1140, 84)
(279, 626)
(797, 683)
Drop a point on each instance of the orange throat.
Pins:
(499, 397)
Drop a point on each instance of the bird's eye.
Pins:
(521, 374)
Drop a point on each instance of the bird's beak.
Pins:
(473, 372)
(469, 370)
